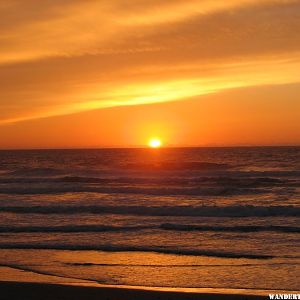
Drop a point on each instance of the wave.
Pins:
(198, 169)
(75, 264)
(180, 227)
(121, 168)
(192, 211)
(177, 166)
(225, 181)
(120, 248)
(26, 268)
(160, 185)
(165, 226)
(32, 171)
(137, 190)
(70, 228)
(229, 181)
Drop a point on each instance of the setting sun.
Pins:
(154, 143)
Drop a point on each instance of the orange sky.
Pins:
(90, 73)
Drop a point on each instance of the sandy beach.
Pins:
(32, 291)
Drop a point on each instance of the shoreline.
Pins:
(21, 286)
(13, 290)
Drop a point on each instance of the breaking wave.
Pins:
(70, 228)
(216, 180)
(180, 227)
(177, 166)
(120, 248)
(204, 211)
(139, 190)
(165, 226)
(35, 171)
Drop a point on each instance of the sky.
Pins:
(87, 73)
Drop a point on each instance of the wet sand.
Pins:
(33, 291)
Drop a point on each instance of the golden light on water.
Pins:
(154, 143)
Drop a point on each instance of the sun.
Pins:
(154, 143)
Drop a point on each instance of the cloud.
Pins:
(139, 86)
(31, 30)
(61, 57)
(265, 115)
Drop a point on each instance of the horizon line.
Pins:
(147, 147)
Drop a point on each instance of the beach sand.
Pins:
(32, 291)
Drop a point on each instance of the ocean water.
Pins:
(182, 217)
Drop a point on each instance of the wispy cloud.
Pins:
(61, 57)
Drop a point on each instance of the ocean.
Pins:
(226, 218)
